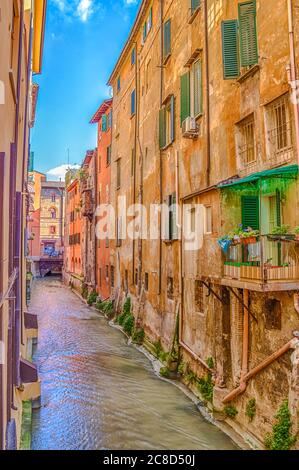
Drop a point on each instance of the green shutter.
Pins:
(174, 218)
(185, 96)
(144, 31)
(162, 127)
(133, 103)
(230, 56)
(104, 123)
(250, 212)
(248, 33)
(194, 5)
(278, 208)
(172, 114)
(150, 19)
(167, 39)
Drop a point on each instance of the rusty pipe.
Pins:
(292, 76)
(266, 362)
(244, 369)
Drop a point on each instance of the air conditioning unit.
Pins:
(190, 128)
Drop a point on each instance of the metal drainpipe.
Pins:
(95, 156)
(292, 74)
(2, 166)
(161, 159)
(207, 90)
(140, 196)
(134, 163)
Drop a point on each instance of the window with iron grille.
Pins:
(246, 140)
(112, 276)
(199, 296)
(146, 281)
(279, 127)
(170, 287)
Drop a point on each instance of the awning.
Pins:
(285, 172)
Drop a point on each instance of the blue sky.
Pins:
(82, 43)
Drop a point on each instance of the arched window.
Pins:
(53, 212)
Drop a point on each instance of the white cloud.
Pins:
(84, 9)
(131, 2)
(58, 173)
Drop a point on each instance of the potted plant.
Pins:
(249, 236)
(282, 232)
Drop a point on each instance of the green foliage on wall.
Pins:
(251, 409)
(206, 387)
(230, 411)
(91, 299)
(281, 437)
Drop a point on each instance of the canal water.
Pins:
(100, 393)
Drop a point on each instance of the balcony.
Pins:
(267, 263)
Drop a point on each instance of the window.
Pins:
(199, 296)
(146, 281)
(118, 231)
(107, 271)
(166, 123)
(170, 287)
(191, 92)
(171, 228)
(208, 220)
(195, 4)
(133, 56)
(166, 40)
(279, 127)
(239, 41)
(273, 314)
(53, 214)
(108, 158)
(133, 102)
(107, 242)
(246, 141)
(53, 198)
(118, 173)
(52, 229)
(136, 277)
(112, 276)
(104, 123)
(147, 26)
(118, 84)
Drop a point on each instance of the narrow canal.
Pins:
(100, 393)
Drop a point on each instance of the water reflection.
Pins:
(100, 393)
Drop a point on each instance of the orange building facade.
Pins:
(104, 270)
(73, 229)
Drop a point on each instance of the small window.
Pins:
(172, 231)
(112, 276)
(108, 158)
(170, 287)
(146, 281)
(118, 231)
(166, 40)
(52, 229)
(133, 56)
(246, 141)
(136, 277)
(208, 220)
(53, 198)
(133, 102)
(109, 121)
(118, 173)
(107, 271)
(107, 242)
(199, 296)
(118, 84)
(147, 75)
(195, 4)
(273, 314)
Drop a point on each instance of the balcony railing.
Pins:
(267, 259)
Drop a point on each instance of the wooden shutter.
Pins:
(167, 39)
(230, 55)
(185, 96)
(162, 127)
(150, 19)
(174, 218)
(172, 118)
(194, 5)
(104, 123)
(250, 212)
(248, 33)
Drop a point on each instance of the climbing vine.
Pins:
(281, 437)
